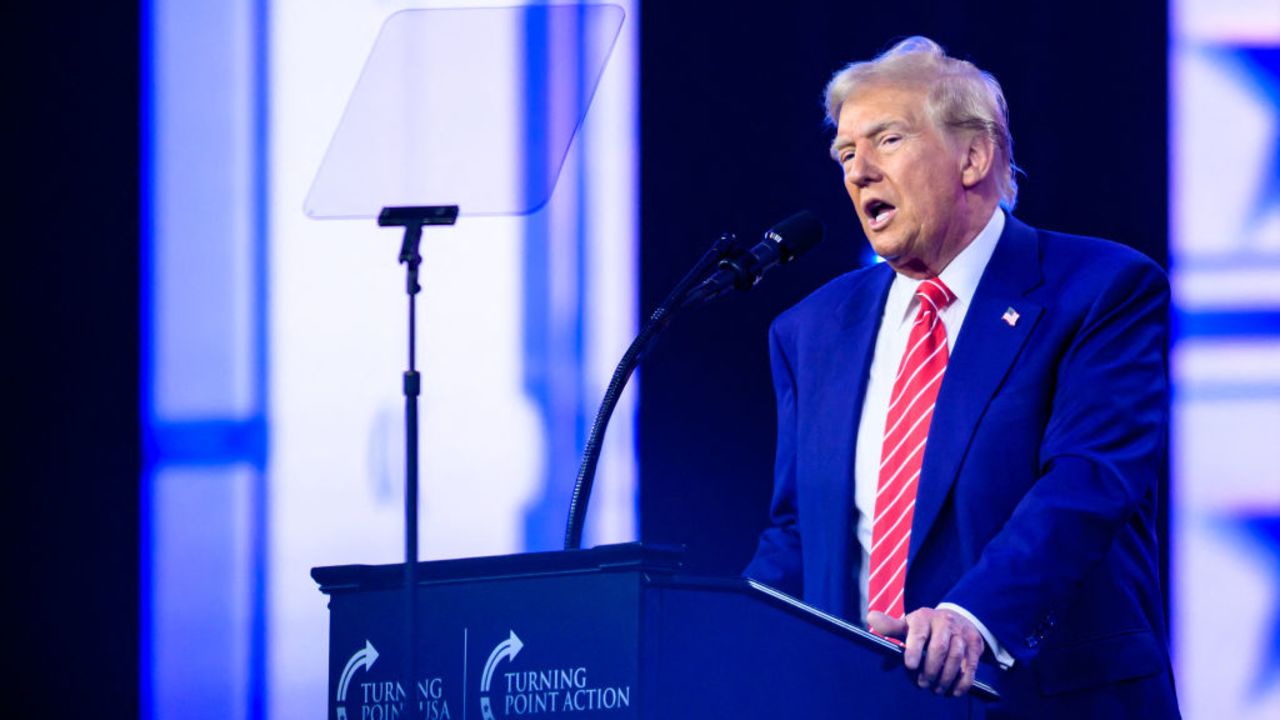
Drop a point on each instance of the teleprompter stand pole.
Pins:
(412, 219)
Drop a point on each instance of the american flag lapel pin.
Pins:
(1010, 317)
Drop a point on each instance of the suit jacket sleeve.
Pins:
(777, 561)
(1100, 459)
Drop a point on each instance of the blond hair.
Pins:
(958, 96)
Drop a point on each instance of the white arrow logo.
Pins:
(364, 657)
(507, 649)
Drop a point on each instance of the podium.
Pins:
(612, 632)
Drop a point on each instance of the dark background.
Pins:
(72, 459)
(732, 139)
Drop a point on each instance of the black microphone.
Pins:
(782, 243)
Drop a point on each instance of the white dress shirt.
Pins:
(961, 275)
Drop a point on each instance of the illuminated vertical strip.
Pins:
(1224, 117)
(611, 305)
(538, 345)
(579, 263)
(203, 360)
(260, 531)
(554, 281)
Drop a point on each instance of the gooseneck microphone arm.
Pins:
(658, 321)
(740, 269)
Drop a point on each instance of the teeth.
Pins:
(882, 215)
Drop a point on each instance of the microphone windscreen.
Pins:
(797, 234)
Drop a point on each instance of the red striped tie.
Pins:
(906, 428)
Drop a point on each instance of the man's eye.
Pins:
(890, 139)
(846, 156)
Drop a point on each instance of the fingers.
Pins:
(969, 671)
(919, 626)
(942, 645)
(939, 636)
(951, 667)
(886, 625)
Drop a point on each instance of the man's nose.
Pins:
(860, 170)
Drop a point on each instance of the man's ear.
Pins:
(978, 160)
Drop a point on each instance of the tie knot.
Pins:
(935, 294)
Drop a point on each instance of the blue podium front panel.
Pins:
(612, 632)
(497, 638)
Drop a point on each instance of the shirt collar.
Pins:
(961, 275)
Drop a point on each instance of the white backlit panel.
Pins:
(1225, 254)
(490, 435)
(275, 343)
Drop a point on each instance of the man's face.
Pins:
(904, 177)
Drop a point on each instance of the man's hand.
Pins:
(949, 644)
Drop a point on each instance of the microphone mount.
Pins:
(737, 268)
(658, 321)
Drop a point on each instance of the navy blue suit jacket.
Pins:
(1036, 505)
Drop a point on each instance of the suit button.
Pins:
(1032, 641)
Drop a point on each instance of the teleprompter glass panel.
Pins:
(429, 120)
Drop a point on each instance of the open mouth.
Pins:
(879, 213)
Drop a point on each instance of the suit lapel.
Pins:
(984, 353)
(839, 365)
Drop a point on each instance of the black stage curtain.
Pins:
(72, 458)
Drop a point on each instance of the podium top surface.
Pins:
(656, 559)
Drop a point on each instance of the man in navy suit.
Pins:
(971, 434)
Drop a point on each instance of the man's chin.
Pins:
(893, 254)
(911, 267)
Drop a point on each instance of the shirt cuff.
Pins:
(1002, 656)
